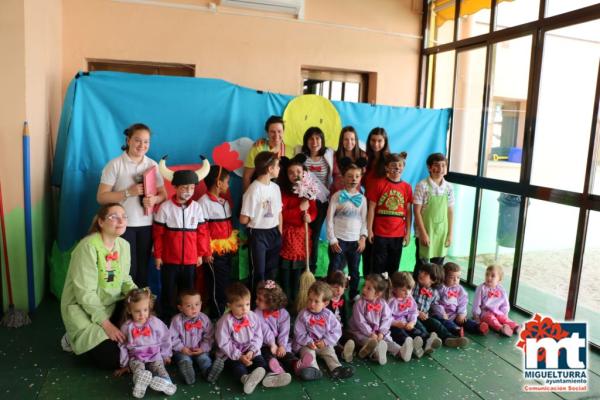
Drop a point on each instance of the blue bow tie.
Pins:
(355, 199)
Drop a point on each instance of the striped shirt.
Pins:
(319, 168)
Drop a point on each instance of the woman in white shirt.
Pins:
(122, 182)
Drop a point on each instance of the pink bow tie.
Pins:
(426, 292)
(374, 307)
(494, 293)
(112, 256)
(453, 293)
(237, 326)
(274, 314)
(315, 321)
(405, 305)
(191, 325)
(136, 332)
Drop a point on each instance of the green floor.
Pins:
(34, 366)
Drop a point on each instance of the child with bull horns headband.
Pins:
(180, 234)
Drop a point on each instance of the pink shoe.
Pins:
(306, 361)
(275, 367)
(506, 330)
(484, 328)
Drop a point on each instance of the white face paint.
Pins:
(186, 195)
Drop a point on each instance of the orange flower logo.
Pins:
(539, 328)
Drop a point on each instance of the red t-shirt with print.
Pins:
(392, 200)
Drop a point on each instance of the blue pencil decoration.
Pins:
(27, 209)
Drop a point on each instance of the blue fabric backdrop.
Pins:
(188, 117)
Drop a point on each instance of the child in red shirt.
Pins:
(389, 216)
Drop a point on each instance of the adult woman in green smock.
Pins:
(98, 277)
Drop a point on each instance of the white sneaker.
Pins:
(141, 381)
(406, 349)
(277, 380)
(66, 344)
(252, 379)
(163, 385)
(380, 353)
(348, 352)
(418, 347)
(434, 342)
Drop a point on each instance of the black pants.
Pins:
(288, 361)
(289, 278)
(140, 244)
(434, 325)
(238, 369)
(173, 279)
(264, 246)
(399, 335)
(350, 255)
(387, 252)
(218, 276)
(107, 354)
(315, 227)
(367, 259)
(420, 261)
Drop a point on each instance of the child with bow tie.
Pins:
(451, 310)
(490, 304)
(192, 336)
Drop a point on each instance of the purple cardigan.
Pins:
(490, 300)
(370, 317)
(453, 301)
(192, 333)
(311, 327)
(276, 327)
(404, 310)
(147, 343)
(236, 337)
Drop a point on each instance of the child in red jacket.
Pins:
(180, 236)
(296, 213)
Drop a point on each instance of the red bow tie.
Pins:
(405, 305)
(315, 321)
(191, 325)
(494, 293)
(453, 293)
(374, 307)
(426, 292)
(112, 256)
(135, 332)
(237, 326)
(337, 304)
(274, 314)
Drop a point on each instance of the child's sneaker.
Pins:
(275, 367)
(251, 380)
(418, 347)
(406, 349)
(310, 374)
(434, 342)
(342, 372)
(277, 379)
(348, 352)
(215, 370)
(66, 344)
(141, 381)
(164, 385)
(380, 353)
(368, 348)
(186, 367)
(456, 342)
(484, 328)
(506, 330)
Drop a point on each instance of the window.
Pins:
(336, 85)
(141, 67)
(524, 144)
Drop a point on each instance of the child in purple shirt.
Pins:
(317, 330)
(338, 282)
(405, 325)
(451, 309)
(275, 322)
(490, 304)
(239, 339)
(192, 336)
(371, 321)
(147, 345)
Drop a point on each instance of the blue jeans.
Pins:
(352, 256)
(203, 361)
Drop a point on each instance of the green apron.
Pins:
(435, 220)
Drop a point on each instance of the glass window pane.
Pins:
(440, 23)
(547, 258)
(336, 90)
(441, 80)
(460, 248)
(351, 91)
(554, 7)
(499, 218)
(516, 12)
(506, 112)
(595, 184)
(325, 89)
(566, 100)
(474, 18)
(468, 98)
(588, 304)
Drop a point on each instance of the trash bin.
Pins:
(508, 220)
